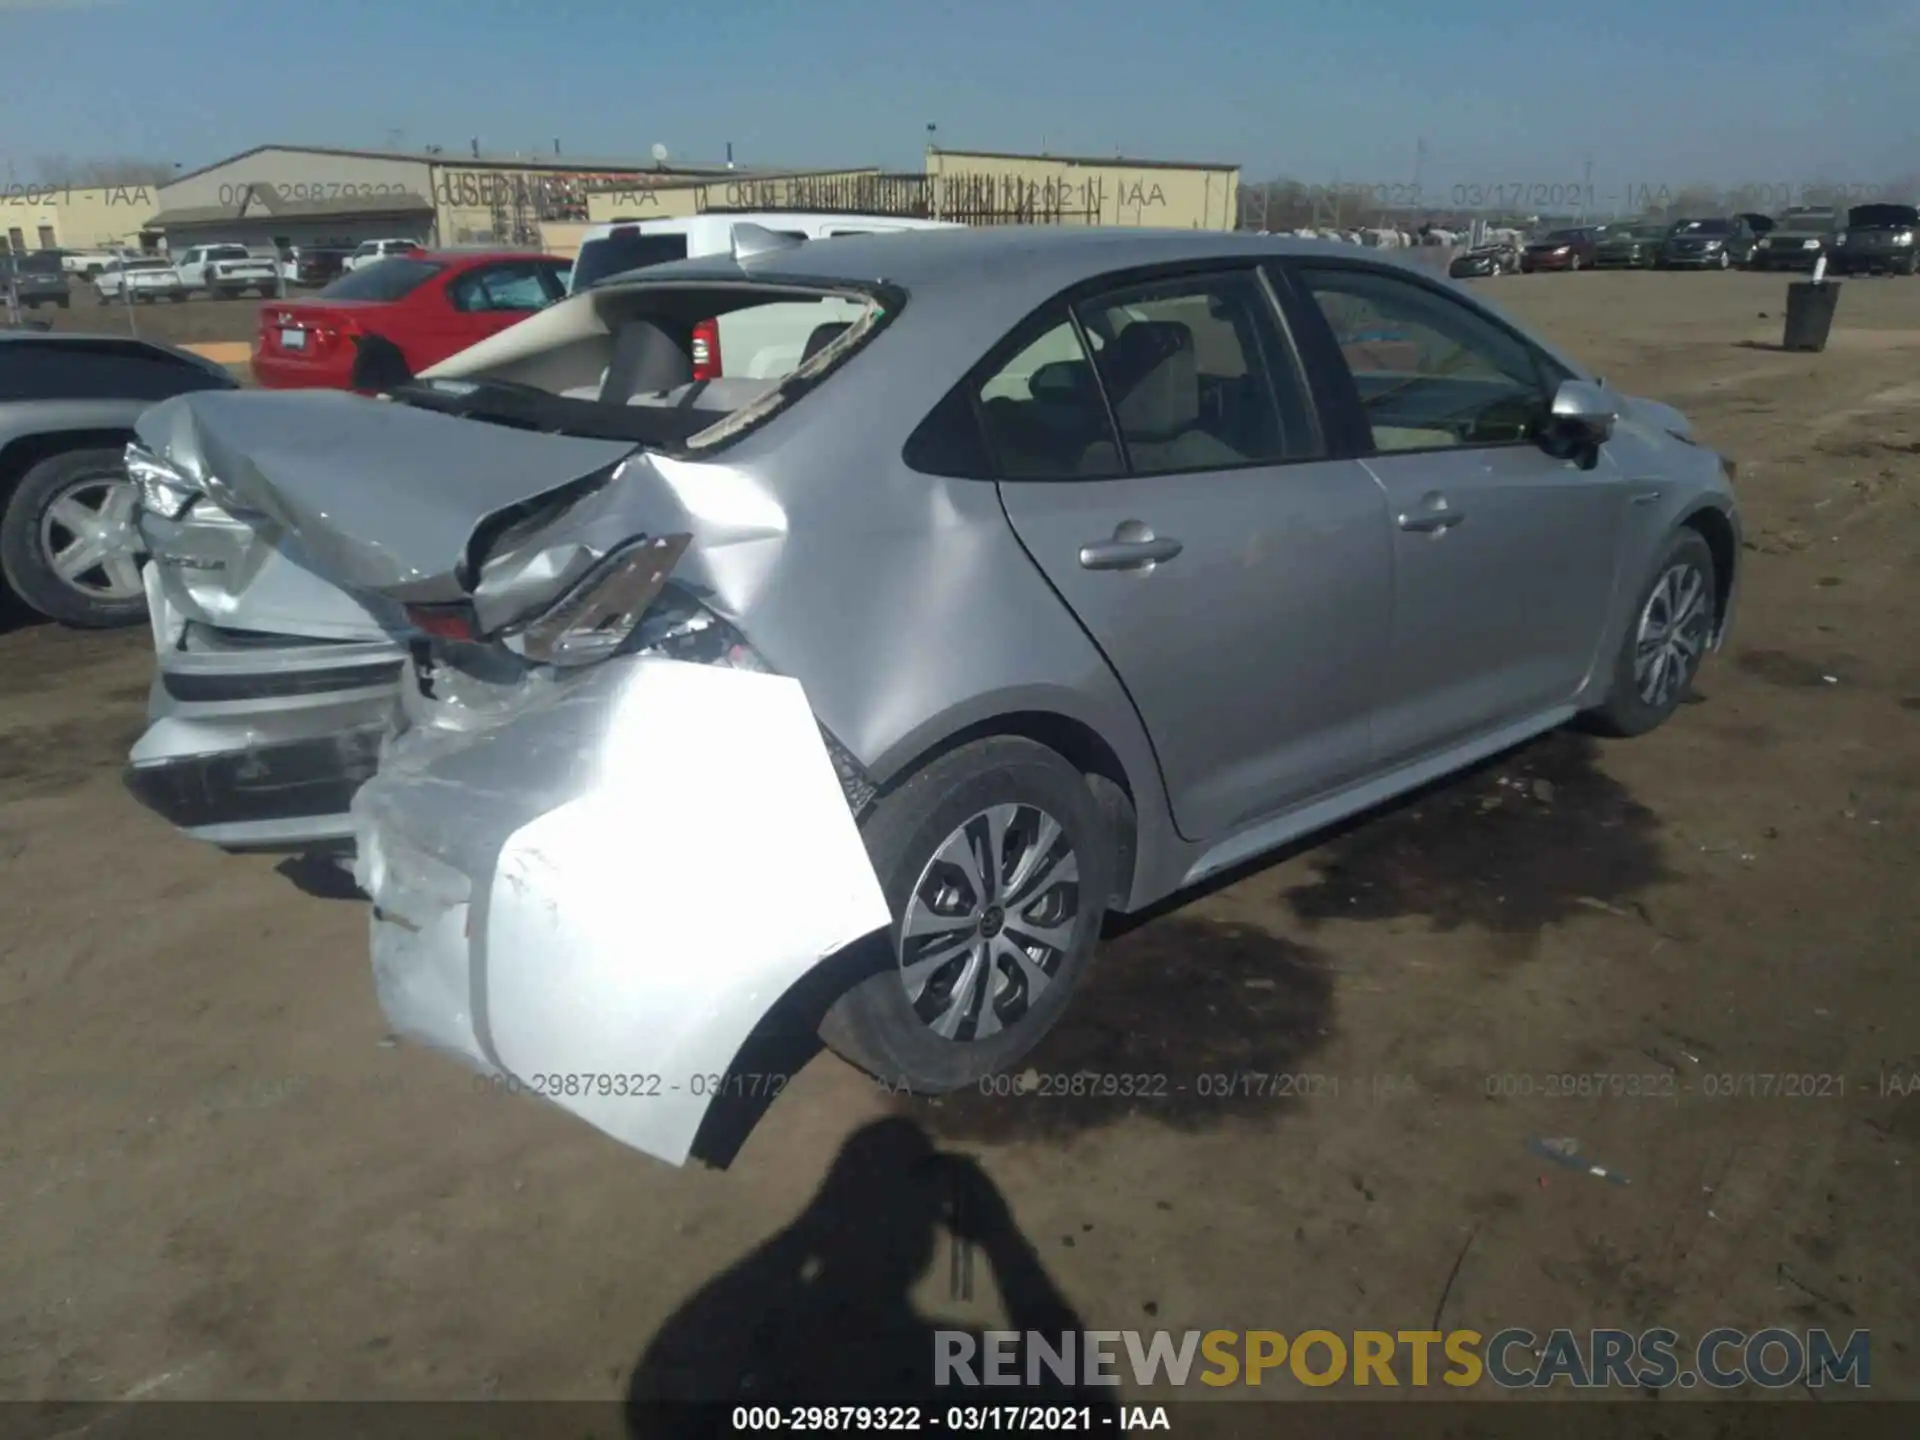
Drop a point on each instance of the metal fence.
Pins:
(967, 199)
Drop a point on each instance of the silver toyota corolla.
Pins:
(1065, 569)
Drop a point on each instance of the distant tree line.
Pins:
(64, 172)
(1286, 204)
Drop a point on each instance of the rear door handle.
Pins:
(1432, 522)
(1124, 552)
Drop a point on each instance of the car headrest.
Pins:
(645, 359)
(1155, 378)
(823, 336)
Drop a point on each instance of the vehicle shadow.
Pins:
(1541, 815)
(14, 614)
(1772, 346)
(322, 874)
(823, 1312)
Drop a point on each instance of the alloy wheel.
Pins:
(90, 540)
(1672, 635)
(989, 922)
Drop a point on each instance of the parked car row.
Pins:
(881, 564)
(1862, 240)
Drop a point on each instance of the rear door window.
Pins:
(518, 286)
(1043, 413)
(1197, 373)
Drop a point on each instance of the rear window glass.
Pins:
(389, 279)
(100, 369)
(1704, 227)
(43, 263)
(618, 253)
(1871, 216)
(638, 381)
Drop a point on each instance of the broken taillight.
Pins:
(706, 350)
(597, 618)
(444, 622)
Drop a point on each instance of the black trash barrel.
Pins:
(1810, 307)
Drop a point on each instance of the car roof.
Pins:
(1015, 258)
(483, 257)
(766, 219)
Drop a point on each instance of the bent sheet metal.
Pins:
(612, 885)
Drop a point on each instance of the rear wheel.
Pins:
(68, 544)
(996, 863)
(1666, 639)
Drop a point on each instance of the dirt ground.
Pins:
(220, 1178)
(194, 321)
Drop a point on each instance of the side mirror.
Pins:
(1584, 406)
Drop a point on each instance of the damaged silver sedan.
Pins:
(1065, 569)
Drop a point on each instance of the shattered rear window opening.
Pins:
(636, 362)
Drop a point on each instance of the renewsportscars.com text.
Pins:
(1512, 1359)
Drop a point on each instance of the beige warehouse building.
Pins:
(288, 194)
(1084, 190)
(974, 187)
(308, 195)
(49, 217)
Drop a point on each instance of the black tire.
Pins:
(178, 297)
(64, 301)
(27, 568)
(874, 1025)
(1625, 712)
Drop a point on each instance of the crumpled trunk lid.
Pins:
(379, 498)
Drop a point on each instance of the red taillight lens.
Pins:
(443, 622)
(706, 350)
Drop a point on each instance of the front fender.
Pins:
(598, 899)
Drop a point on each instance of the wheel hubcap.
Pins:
(989, 922)
(90, 539)
(1672, 636)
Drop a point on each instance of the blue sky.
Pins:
(1644, 91)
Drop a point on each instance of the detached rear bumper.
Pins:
(258, 741)
(597, 898)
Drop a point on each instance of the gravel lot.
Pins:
(218, 1179)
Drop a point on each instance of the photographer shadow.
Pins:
(823, 1313)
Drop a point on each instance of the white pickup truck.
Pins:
(224, 271)
(86, 264)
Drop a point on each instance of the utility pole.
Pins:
(934, 176)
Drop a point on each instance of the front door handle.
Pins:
(1133, 547)
(1432, 522)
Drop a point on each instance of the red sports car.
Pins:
(430, 305)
